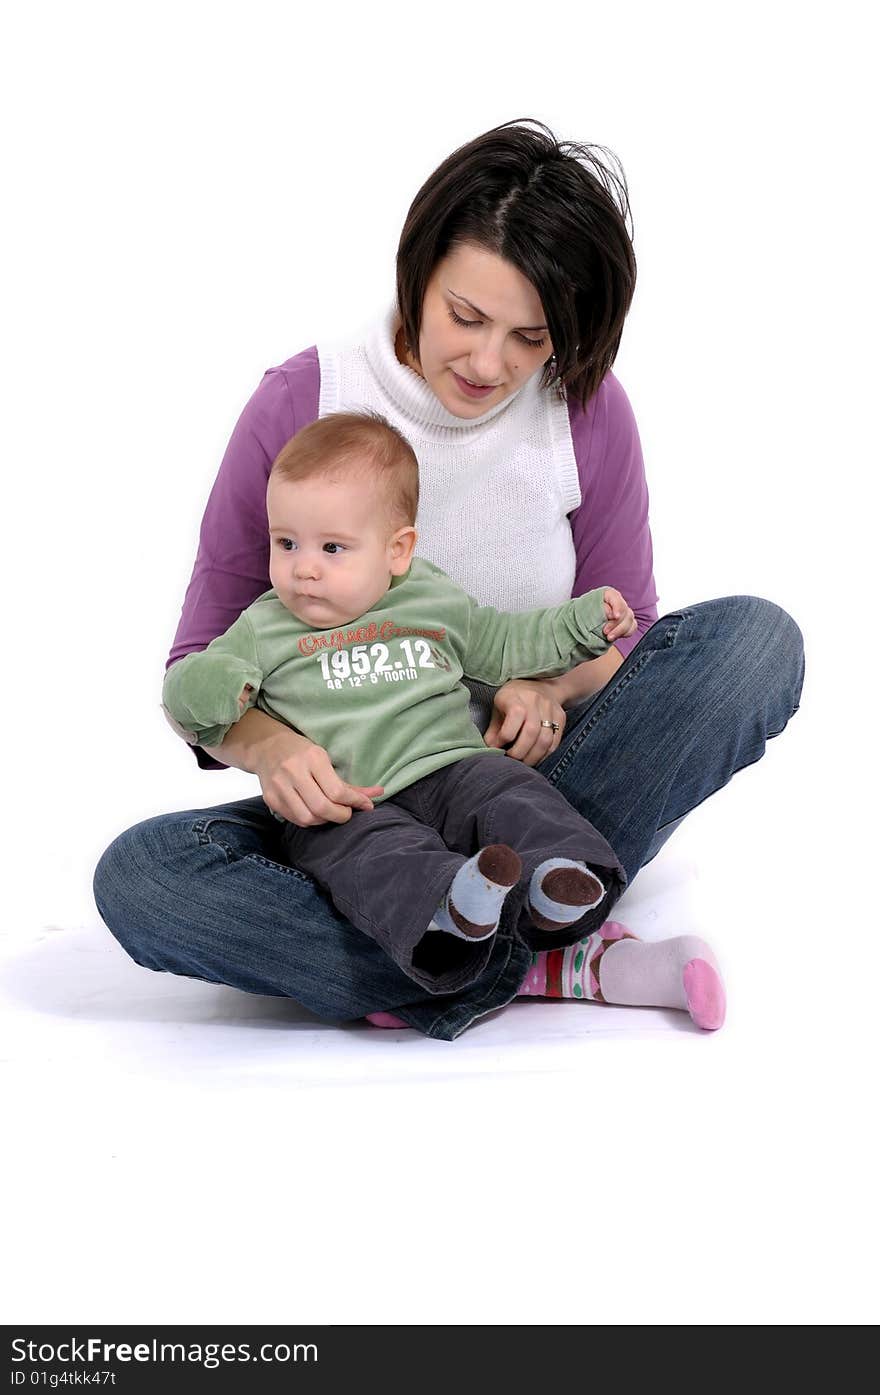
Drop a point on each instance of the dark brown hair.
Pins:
(361, 441)
(553, 210)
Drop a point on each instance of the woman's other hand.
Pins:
(300, 784)
(519, 709)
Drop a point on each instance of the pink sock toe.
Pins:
(386, 1019)
(705, 994)
(613, 930)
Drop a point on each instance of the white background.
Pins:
(194, 192)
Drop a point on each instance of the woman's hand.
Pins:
(300, 784)
(520, 708)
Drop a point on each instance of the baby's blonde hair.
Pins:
(359, 441)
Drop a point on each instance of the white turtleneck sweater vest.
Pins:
(494, 491)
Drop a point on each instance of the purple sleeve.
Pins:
(232, 563)
(612, 538)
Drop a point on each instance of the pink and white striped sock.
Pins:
(614, 966)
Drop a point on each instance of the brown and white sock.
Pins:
(471, 908)
(561, 892)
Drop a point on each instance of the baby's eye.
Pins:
(333, 548)
(286, 543)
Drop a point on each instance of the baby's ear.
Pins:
(403, 546)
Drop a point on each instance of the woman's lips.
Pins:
(470, 389)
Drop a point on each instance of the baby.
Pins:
(362, 647)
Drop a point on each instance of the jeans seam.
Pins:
(559, 770)
(672, 631)
(283, 867)
(201, 829)
(202, 826)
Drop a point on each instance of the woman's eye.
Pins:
(333, 548)
(468, 324)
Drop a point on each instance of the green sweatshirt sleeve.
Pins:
(201, 691)
(534, 643)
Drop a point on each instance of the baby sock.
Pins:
(613, 966)
(385, 1019)
(471, 907)
(560, 892)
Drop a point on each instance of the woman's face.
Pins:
(483, 331)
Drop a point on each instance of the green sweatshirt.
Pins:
(382, 695)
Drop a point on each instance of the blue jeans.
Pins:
(205, 892)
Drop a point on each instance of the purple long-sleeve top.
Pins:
(610, 528)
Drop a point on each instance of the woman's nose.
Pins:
(486, 361)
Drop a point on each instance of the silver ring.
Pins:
(554, 725)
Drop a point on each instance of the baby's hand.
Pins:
(621, 621)
(243, 696)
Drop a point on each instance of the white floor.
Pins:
(181, 1152)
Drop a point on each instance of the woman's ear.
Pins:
(401, 548)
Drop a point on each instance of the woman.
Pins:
(515, 272)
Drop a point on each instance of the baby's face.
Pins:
(332, 550)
